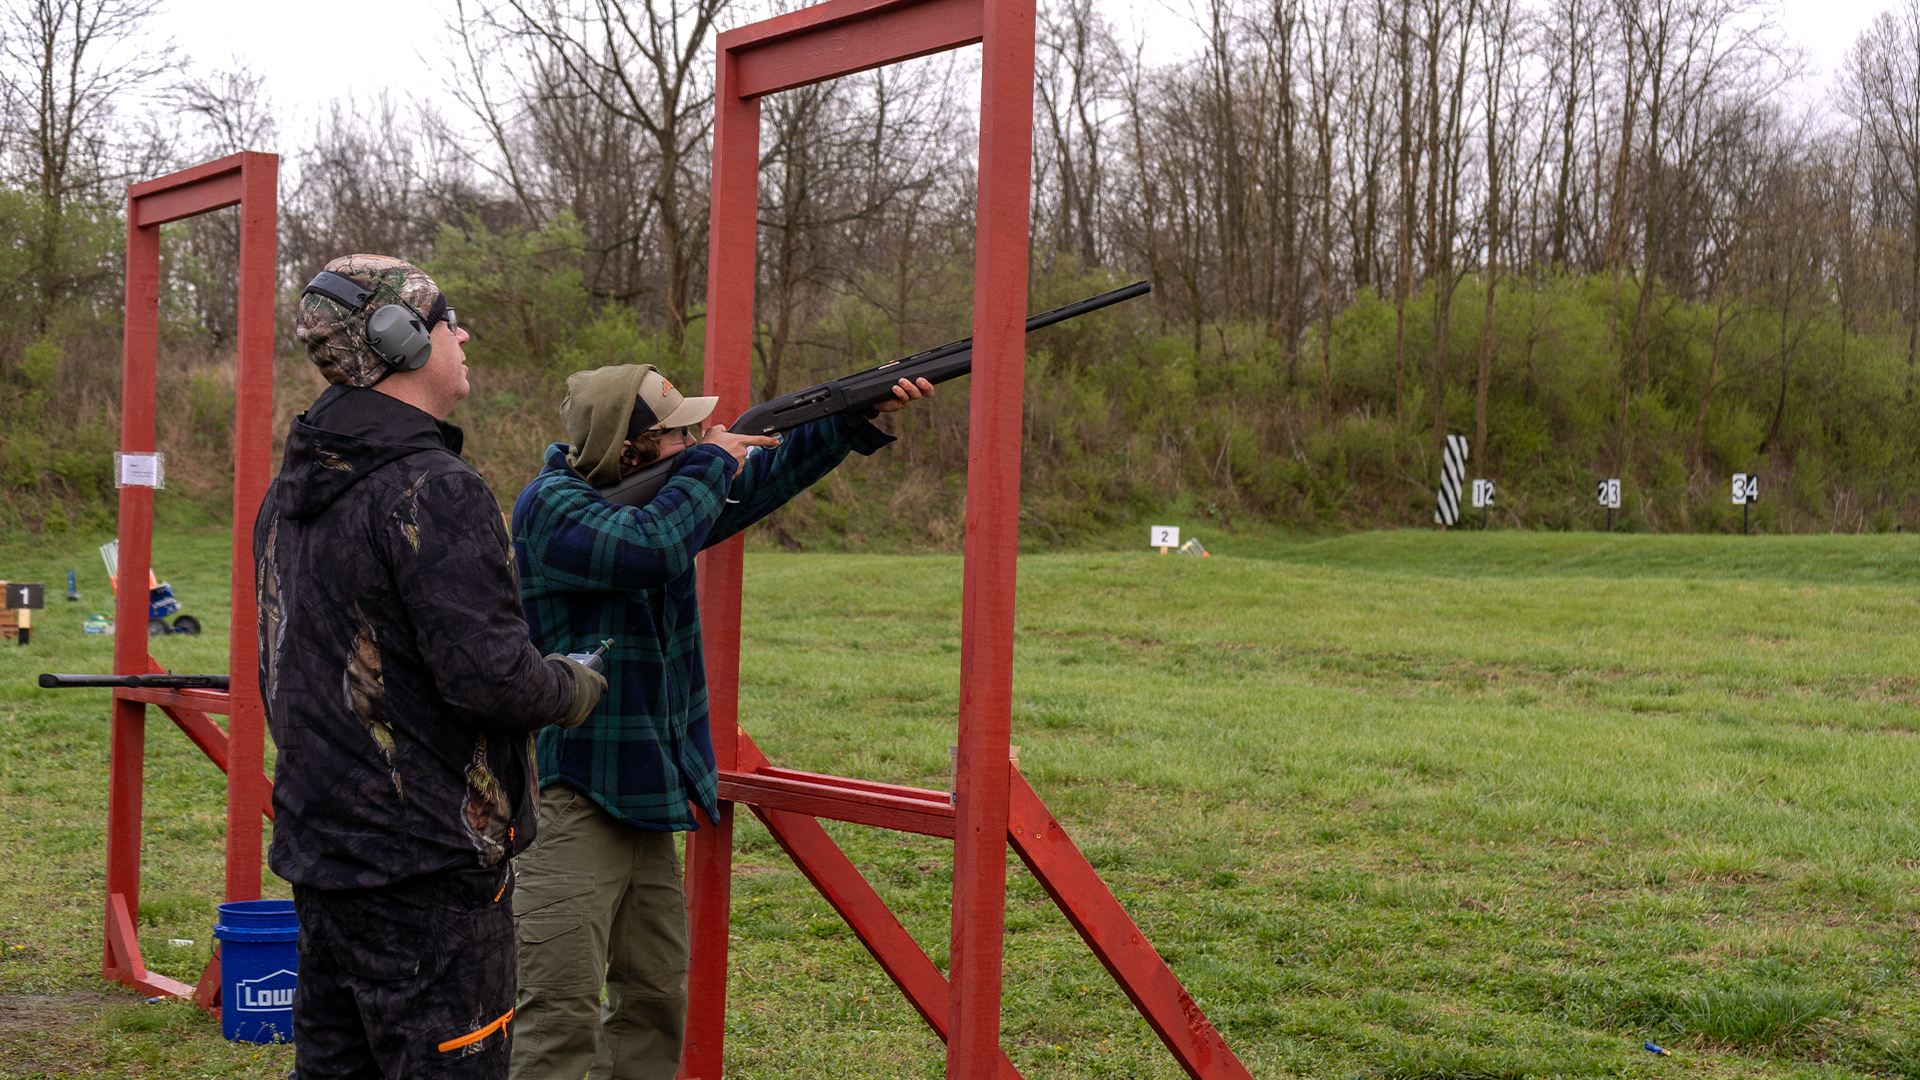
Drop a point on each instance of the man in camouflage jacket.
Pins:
(402, 692)
(600, 897)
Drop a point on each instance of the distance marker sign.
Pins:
(1482, 494)
(1746, 492)
(1607, 492)
(30, 595)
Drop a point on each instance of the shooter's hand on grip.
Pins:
(736, 445)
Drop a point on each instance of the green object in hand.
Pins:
(596, 658)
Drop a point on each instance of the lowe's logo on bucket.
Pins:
(268, 993)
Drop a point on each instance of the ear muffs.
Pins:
(400, 337)
(396, 333)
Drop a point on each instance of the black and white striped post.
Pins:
(1453, 469)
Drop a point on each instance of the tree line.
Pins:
(1598, 237)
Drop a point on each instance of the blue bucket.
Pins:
(259, 968)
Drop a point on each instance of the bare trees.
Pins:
(642, 64)
(64, 65)
(1074, 88)
(1882, 91)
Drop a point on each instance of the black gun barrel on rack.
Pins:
(860, 390)
(152, 682)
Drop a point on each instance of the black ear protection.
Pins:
(396, 333)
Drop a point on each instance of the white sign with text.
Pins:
(139, 470)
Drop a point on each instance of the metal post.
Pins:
(1743, 517)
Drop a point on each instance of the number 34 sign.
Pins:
(1746, 488)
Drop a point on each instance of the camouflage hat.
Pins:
(335, 336)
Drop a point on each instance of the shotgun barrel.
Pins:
(155, 682)
(860, 390)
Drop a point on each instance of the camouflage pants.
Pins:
(598, 898)
(408, 981)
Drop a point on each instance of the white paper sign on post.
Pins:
(1607, 493)
(139, 470)
(1482, 494)
(1739, 489)
(1163, 537)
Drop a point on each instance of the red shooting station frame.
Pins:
(994, 806)
(248, 180)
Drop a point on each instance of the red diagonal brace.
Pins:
(1113, 936)
(123, 947)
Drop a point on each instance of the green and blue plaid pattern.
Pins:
(591, 569)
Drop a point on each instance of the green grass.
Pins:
(1392, 805)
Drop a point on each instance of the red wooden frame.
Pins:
(993, 805)
(249, 180)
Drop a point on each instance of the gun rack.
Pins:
(248, 180)
(993, 806)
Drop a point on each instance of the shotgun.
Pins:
(851, 393)
(167, 682)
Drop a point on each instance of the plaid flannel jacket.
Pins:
(591, 569)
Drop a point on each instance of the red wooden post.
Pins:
(128, 749)
(252, 462)
(993, 540)
(729, 375)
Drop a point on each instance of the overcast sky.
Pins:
(306, 66)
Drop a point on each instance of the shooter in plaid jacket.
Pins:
(591, 570)
(599, 892)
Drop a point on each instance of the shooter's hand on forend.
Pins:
(904, 394)
(736, 445)
(588, 686)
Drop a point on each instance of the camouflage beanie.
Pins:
(336, 338)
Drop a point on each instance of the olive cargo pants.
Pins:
(596, 898)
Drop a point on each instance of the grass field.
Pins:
(1393, 805)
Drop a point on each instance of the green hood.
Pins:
(599, 404)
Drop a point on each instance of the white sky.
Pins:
(306, 66)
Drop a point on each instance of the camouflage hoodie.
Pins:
(399, 683)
